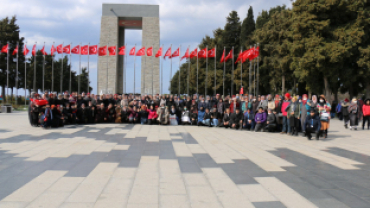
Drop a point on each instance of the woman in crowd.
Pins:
(324, 112)
(293, 114)
(193, 115)
(185, 116)
(305, 111)
(354, 114)
(152, 115)
(366, 114)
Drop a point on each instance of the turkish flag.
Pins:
(52, 50)
(256, 53)
(239, 57)
(60, 48)
(168, 53)
(85, 50)
(103, 51)
(141, 52)
(149, 51)
(241, 92)
(176, 53)
(43, 51)
(228, 55)
(132, 51)
(212, 53)
(76, 49)
(202, 53)
(15, 51)
(67, 49)
(223, 56)
(93, 50)
(122, 50)
(187, 55)
(159, 53)
(5, 49)
(34, 50)
(247, 55)
(25, 50)
(194, 53)
(112, 50)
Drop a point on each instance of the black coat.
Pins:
(226, 117)
(271, 118)
(236, 117)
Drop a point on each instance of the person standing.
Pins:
(324, 112)
(366, 114)
(284, 105)
(293, 115)
(345, 112)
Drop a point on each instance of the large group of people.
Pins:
(285, 114)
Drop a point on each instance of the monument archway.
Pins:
(116, 19)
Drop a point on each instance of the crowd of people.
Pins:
(285, 114)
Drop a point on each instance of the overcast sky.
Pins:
(78, 21)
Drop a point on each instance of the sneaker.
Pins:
(309, 137)
(346, 126)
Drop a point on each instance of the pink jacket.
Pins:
(366, 110)
(152, 114)
(284, 106)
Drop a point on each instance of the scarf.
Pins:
(304, 101)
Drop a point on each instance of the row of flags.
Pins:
(249, 54)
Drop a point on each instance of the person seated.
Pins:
(143, 114)
(207, 118)
(46, 117)
(110, 113)
(163, 115)
(312, 125)
(57, 116)
(124, 114)
(236, 119)
(64, 118)
(185, 116)
(271, 121)
(100, 113)
(152, 115)
(214, 117)
(260, 120)
(133, 116)
(173, 116)
(194, 115)
(248, 120)
(82, 114)
(226, 118)
(118, 115)
(201, 113)
(92, 112)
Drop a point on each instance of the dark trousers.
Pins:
(270, 127)
(286, 126)
(151, 121)
(294, 125)
(310, 130)
(366, 118)
(259, 126)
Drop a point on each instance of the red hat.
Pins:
(88, 93)
(346, 100)
(287, 95)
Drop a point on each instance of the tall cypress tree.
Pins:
(248, 27)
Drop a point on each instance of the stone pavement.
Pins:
(119, 165)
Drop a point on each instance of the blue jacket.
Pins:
(200, 115)
(313, 121)
(248, 116)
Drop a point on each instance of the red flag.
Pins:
(176, 53)
(187, 55)
(52, 50)
(223, 56)
(112, 50)
(60, 48)
(43, 51)
(76, 49)
(4, 49)
(228, 55)
(15, 51)
(25, 50)
(168, 53)
(141, 52)
(212, 53)
(34, 50)
(132, 51)
(256, 53)
(247, 55)
(159, 53)
(85, 50)
(67, 49)
(122, 50)
(202, 53)
(103, 51)
(194, 53)
(239, 57)
(241, 92)
(149, 51)
(93, 50)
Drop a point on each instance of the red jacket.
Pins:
(152, 114)
(284, 106)
(366, 110)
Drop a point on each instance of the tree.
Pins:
(247, 29)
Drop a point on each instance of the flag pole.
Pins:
(187, 88)
(34, 72)
(152, 59)
(107, 65)
(197, 76)
(161, 91)
(61, 73)
(250, 76)
(16, 79)
(70, 69)
(223, 78)
(43, 72)
(7, 73)
(241, 69)
(134, 70)
(171, 70)
(143, 74)
(215, 67)
(254, 80)
(25, 78)
(179, 71)
(124, 72)
(52, 70)
(232, 73)
(205, 84)
(258, 71)
(79, 70)
(88, 68)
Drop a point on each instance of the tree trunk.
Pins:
(3, 92)
(283, 84)
(367, 93)
(11, 94)
(327, 90)
(350, 92)
(294, 87)
(336, 97)
(309, 94)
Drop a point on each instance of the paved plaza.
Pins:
(136, 166)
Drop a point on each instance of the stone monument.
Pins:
(116, 19)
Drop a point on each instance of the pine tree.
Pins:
(248, 27)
